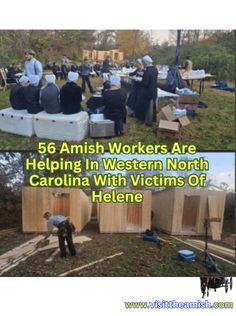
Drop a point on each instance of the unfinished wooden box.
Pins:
(72, 203)
(182, 211)
(125, 217)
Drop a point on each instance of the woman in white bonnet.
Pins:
(71, 95)
(146, 106)
(50, 95)
(136, 76)
(114, 100)
(32, 95)
(17, 94)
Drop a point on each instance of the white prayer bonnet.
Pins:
(50, 78)
(115, 81)
(73, 76)
(147, 60)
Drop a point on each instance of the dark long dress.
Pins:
(114, 101)
(136, 90)
(31, 96)
(71, 97)
(148, 92)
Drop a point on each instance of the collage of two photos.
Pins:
(117, 153)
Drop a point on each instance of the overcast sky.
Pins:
(159, 36)
(221, 164)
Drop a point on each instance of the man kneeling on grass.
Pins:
(64, 232)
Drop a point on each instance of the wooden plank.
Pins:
(214, 212)
(214, 248)
(190, 211)
(125, 217)
(4, 232)
(134, 214)
(61, 204)
(19, 254)
(214, 219)
(70, 202)
(198, 248)
(91, 264)
(162, 206)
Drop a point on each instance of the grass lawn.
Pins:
(211, 129)
(140, 258)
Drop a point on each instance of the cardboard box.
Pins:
(183, 120)
(167, 114)
(160, 116)
(169, 129)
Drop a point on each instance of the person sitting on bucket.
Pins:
(64, 232)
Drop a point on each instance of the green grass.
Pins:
(140, 258)
(211, 129)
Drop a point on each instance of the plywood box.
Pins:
(72, 203)
(125, 217)
(182, 211)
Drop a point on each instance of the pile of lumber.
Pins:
(19, 254)
(8, 231)
(223, 251)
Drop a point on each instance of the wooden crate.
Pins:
(72, 203)
(125, 217)
(182, 211)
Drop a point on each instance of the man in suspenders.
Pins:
(32, 65)
(64, 232)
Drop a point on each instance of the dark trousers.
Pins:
(118, 127)
(85, 79)
(65, 234)
(64, 74)
(150, 117)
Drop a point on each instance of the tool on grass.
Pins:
(150, 236)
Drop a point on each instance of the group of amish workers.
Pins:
(29, 93)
